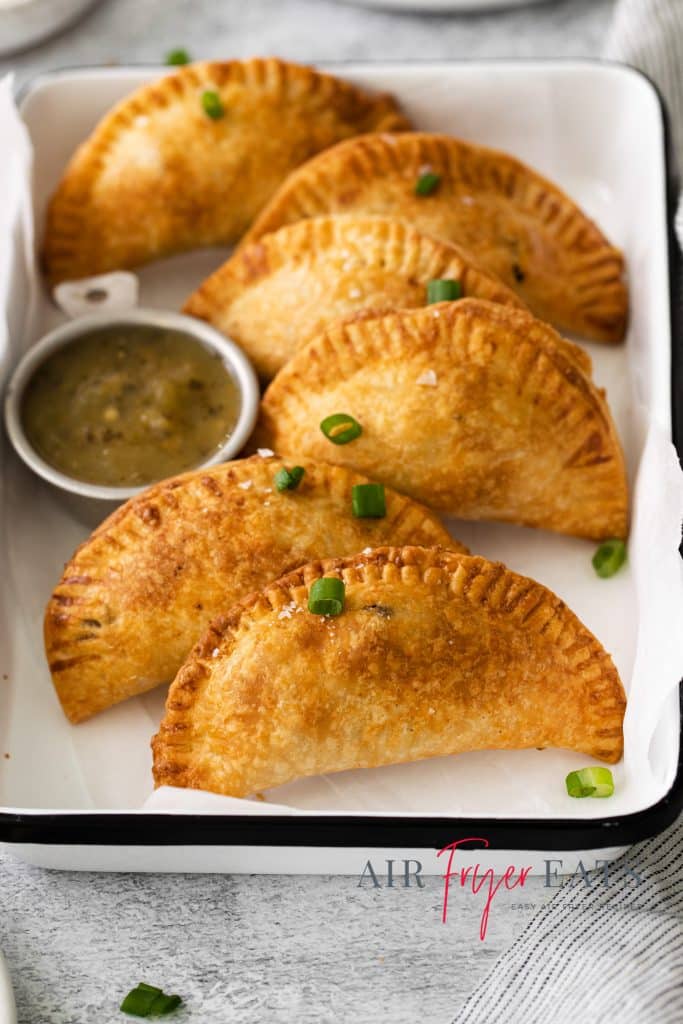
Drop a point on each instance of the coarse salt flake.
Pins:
(265, 453)
(215, 652)
(427, 379)
(246, 484)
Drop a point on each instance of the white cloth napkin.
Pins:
(614, 954)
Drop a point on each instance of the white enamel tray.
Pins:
(73, 796)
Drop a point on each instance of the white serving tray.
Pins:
(598, 131)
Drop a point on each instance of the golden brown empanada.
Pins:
(518, 225)
(435, 653)
(276, 294)
(159, 175)
(476, 409)
(137, 595)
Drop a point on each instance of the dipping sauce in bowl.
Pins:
(129, 404)
(109, 403)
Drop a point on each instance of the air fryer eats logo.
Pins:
(481, 882)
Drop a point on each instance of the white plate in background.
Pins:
(8, 1013)
(443, 6)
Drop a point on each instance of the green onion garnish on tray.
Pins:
(368, 501)
(443, 290)
(212, 105)
(427, 183)
(149, 1001)
(340, 428)
(609, 557)
(594, 781)
(175, 58)
(288, 479)
(326, 596)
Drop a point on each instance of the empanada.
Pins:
(518, 225)
(279, 292)
(137, 595)
(435, 653)
(161, 175)
(476, 409)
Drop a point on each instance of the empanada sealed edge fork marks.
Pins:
(475, 409)
(274, 295)
(516, 223)
(137, 594)
(433, 653)
(187, 161)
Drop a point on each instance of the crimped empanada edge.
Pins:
(534, 607)
(79, 596)
(65, 214)
(337, 345)
(373, 155)
(251, 264)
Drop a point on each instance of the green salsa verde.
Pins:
(126, 405)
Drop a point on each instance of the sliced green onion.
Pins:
(163, 1005)
(288, 479)
(212, 105)
(326, 596)
(443, 290)
(340, 428)
(594, 781)
(139, 1001)
(368, 501)
(609, 557)
(177, 57)
(149, 1001)
(427, 183)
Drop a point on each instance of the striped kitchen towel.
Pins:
(609, 954)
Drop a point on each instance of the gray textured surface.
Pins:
(119, 31)
(249, 949)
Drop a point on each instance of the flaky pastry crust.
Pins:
(140, 591)
(518, 224)
(475, 409)
(159, 176)
(279, 292)
(435, 653)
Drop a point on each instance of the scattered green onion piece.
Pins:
(427, 183)
(163, 1005)
(289, 479)
(212, 105)
(368, 501)
(594, 781)
(340, 428)
(175, 58)
(149, 1001)
(326, 596)
(609, 557)
(139, 1001)
(443, 290)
